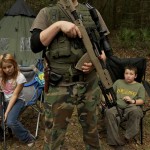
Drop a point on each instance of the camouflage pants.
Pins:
(59, 106)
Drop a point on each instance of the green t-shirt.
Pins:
(135, 91)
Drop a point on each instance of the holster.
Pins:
(46, 78)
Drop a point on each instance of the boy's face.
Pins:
(129, 75)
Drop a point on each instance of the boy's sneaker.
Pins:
(31, 142)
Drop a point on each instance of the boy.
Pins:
(130, 97)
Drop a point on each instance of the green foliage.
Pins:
(38, 4)
(134, 38)
(4, 6)
(145, 34)
(127, 37)
(145, 37)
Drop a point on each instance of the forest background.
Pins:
(128, 22)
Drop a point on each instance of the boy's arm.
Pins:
(138, 101)
(140, 97)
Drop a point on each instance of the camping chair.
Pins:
(146, 109)
(116, 66)
(33, 89)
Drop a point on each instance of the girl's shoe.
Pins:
(31, 142)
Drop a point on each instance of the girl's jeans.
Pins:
(13, 121)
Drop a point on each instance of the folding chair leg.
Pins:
(5, 145)
(37, 125)
(141, 131)
(39, 114)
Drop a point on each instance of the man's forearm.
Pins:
(41, 39)
(47, 35)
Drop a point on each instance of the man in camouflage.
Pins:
(54, 32)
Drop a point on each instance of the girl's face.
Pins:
(8, 68)
(129, 76)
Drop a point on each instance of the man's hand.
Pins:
(70, 29)
(103, 56)
(87, 67)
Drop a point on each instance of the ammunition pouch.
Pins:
(54, 78)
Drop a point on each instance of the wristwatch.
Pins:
(134, 101)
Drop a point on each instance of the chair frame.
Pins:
(112, 63)
(38, 93)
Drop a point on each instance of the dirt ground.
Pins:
(73, 140)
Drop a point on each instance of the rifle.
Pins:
(103, 41)
(3, 111)
(96, 47)
(93, 53)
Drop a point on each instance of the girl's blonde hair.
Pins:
(8, 58)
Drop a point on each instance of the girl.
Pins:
(11, 83)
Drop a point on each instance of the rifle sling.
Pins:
(103, 73)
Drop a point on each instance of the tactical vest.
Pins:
(64, 52)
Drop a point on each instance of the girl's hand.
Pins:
(5, 117)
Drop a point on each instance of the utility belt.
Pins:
(73, 78)
(53, 78)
